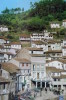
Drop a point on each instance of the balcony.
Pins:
(58, 83)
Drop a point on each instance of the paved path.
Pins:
(47, 96)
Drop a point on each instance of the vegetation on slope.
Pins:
(36, 18)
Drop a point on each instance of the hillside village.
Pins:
(42, 65)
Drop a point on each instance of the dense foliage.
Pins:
(49, 7)
(37, 18)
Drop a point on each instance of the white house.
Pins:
(35, 50)
(40, 44)
(3, 40)
(39, 36)
(64, 49)
(54, 54)
(24, 37)
(16, 45)
(38, 70)
(57, 78)
(4, 86)
(55, 63)
(64, 23)
(6, 56)
(8, 73)
(55, 25)
(7, 48)
(24, 77)
(54, 45)
(56, 71)
(64, 43)
(64, 52)
(3, 28)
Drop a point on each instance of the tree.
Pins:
(6, 11)
(22, 9)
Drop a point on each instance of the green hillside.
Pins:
(36, 18)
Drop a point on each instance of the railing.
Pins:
(58, 82)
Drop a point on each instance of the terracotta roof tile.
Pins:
(54, 51)
(3, 80)
(22, 60)
(54, 69)
(15, 43)
(24, 35)
(9, 67)
(39, 42)
(60, 60)
(35, 49)
(63, 76)
(1, 37)
(64, 47)
(37, 55)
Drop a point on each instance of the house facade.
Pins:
(24, 78)
(64, 23)
(4, 88)
(3, 29)
(54, 54)
(7, 84)
(57, 78)
(3, 40)
(38, 71)
(16, 45)
(55, 25)
(24, 37)
(38, 36)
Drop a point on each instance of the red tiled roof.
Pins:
(35, 49)
(1, 37)
(3, 80)
(9, 67)
(15, 43)
(24, 35)
(22, 60)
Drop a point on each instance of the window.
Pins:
(27, 64)
(54, 79)
(58, 54)
(42, 67)
(0, 71)
(0, 66)
(34, 74)
(59, 64)
(22, 64)
(32, 52)
(53, 54)
(33, 67)
(24, 71)
(62, 65)
(58, 79)
(0, 87)
(57, 73)
(28, 71)
(38, 67)
(4, 86)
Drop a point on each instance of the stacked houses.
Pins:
(43, 65)
(8, 71)
(48, 61)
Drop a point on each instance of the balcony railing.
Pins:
(58, 82)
